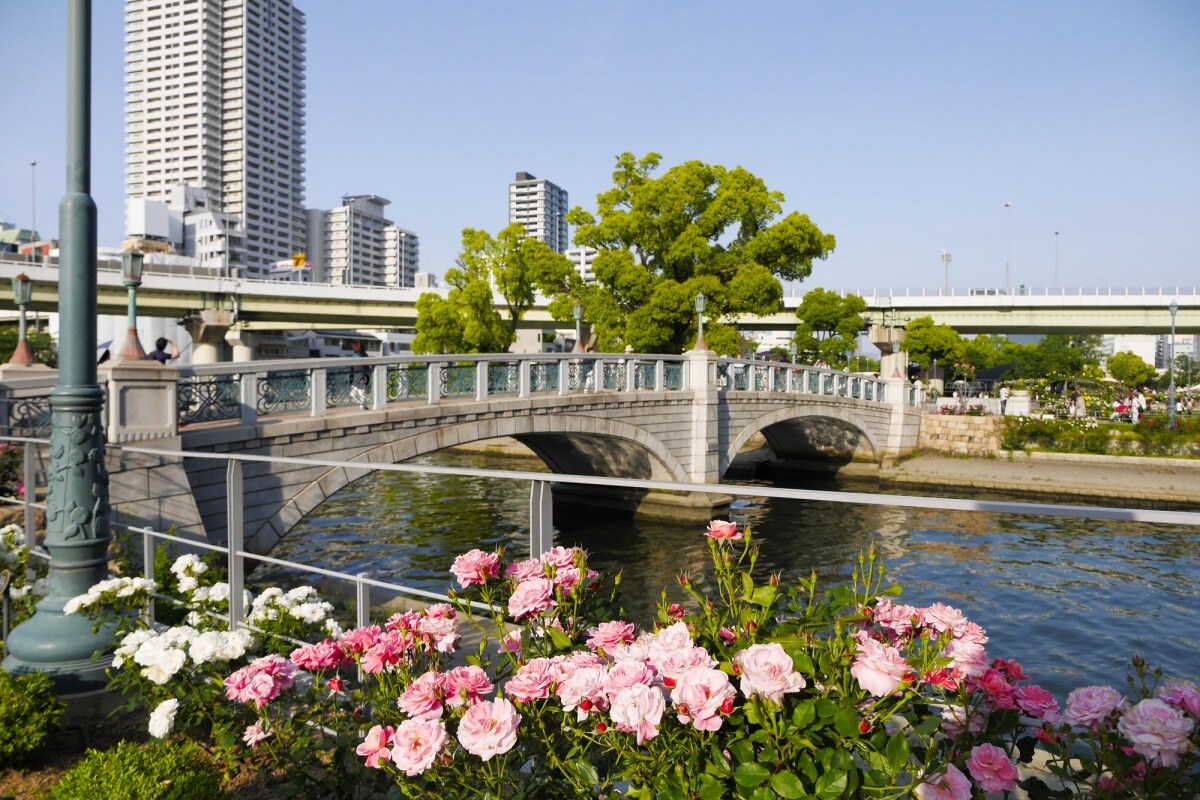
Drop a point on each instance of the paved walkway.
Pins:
(1139, 482)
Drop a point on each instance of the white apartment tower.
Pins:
(214, 99)
(541, 207)
(356, 245)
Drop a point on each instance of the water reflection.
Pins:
(1070, 599)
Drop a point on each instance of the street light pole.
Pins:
(1008, 250)
(22, 293)
(77, 526)
(700, 303)
(578, 328)
(945, 272)
(1174, 309)
(1056, 284)
(131, 276)
(33, 194)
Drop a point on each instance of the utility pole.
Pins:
(945, 272)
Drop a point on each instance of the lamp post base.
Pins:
(131, 350)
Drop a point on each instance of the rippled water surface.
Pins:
(1070, 599)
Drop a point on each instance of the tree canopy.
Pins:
(465, 321)
(695, 229)
(829, 326)
(1130, 369)
(927, 342)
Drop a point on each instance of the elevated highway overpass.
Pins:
(274, 305)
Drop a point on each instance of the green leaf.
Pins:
(764, 596)
(804, 714)
(845, 722)
(742, 751)
(897, 752)
(560, 639)
(787, 785)
(831, 785)
(750, 774)
(826, 708)
(709, 788)
(584, 771)
(747, 585)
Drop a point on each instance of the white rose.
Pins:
(162, 719)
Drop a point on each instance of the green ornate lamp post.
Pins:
(1174, 309)
(700, 303)
(578, 328)
(131, 276)
(22, 294)
(77, 532)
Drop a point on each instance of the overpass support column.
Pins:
(208, 329)
(705, 451)
(242, 343)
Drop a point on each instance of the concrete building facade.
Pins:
(356, 245)
(214, 99)
(541, 207)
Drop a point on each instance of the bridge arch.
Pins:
(567, 444)
(832, 433)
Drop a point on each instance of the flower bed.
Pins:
(752, 691)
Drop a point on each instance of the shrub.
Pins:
(154, 771)
(29, 710)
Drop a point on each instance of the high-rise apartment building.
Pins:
(356, 245)
(541, 207)
(214, 99)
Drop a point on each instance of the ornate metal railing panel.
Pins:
(209, 398)
(347, 386)
(543, 376)
(673, 376)
(458, 380)
(643, 375)
(868, 390)
(407, 382)
(29, 416)
(761, 377)
(814, 383)
(613, 376)
(856, 388)
(581, 376)
(843, 385)
(281, 392)
(504, 379)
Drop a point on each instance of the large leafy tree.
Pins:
(1130, 369)
(40, 342)
(1060, 356)
(829, 326)
(695, 229)
(466, 321)
(927, 341)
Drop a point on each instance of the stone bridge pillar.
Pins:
(207, 329)
(706, 441)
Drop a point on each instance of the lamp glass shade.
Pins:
(131, 267)
(578, 312)
(700, 303)
(22, 287)
(1174, 307)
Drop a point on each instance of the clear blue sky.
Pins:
(901, 128)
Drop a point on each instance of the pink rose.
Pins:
(674, 664)
(256, 733)
(942, 618)
(957, 719)
(524, 570)
(474, 568)
(1181, 694)
(879, 668)
(532, 681)
(415, 745)
(1036, 702)
(950, 784)
(992, 769)
(896, 619)
(1157, 731)
(261, 680)
(768, 672)
(423, 697)
(318, 657)
(583, 691)
(625, 674)
(358, 640)
(723, 531)
(381, 655)
(561, 557)
(465, 686)
(968, 657)
(375, 746)
(531, 597)
(700, 696)
(438, 633)
(489, 728)
(1090, 704)
(607, 635)
(638, 709)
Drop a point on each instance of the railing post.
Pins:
(235, 540)
(630, 374)
(362, 601)
(435, 382)
(316, 384)
(523, 377)
(249, 396)
(660, 375)
(379, 386)
(541, 519)
(29, 477)
(564, 376)
(148, 573)
(481, 381)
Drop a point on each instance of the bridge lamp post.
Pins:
(22, 287)
(578, 328)
(131, 276)
(700, 303)
(1174, 309)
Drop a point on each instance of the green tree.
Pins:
(927, 342)
(466, 321)
(1060, 356)
(829, 326)
(1130, 369)
(696, 229)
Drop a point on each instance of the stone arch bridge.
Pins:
(668, 418)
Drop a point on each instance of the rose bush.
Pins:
(755, 690)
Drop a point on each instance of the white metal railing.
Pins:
(740, 374)
(540, 516)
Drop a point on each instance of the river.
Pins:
(1071, 600)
